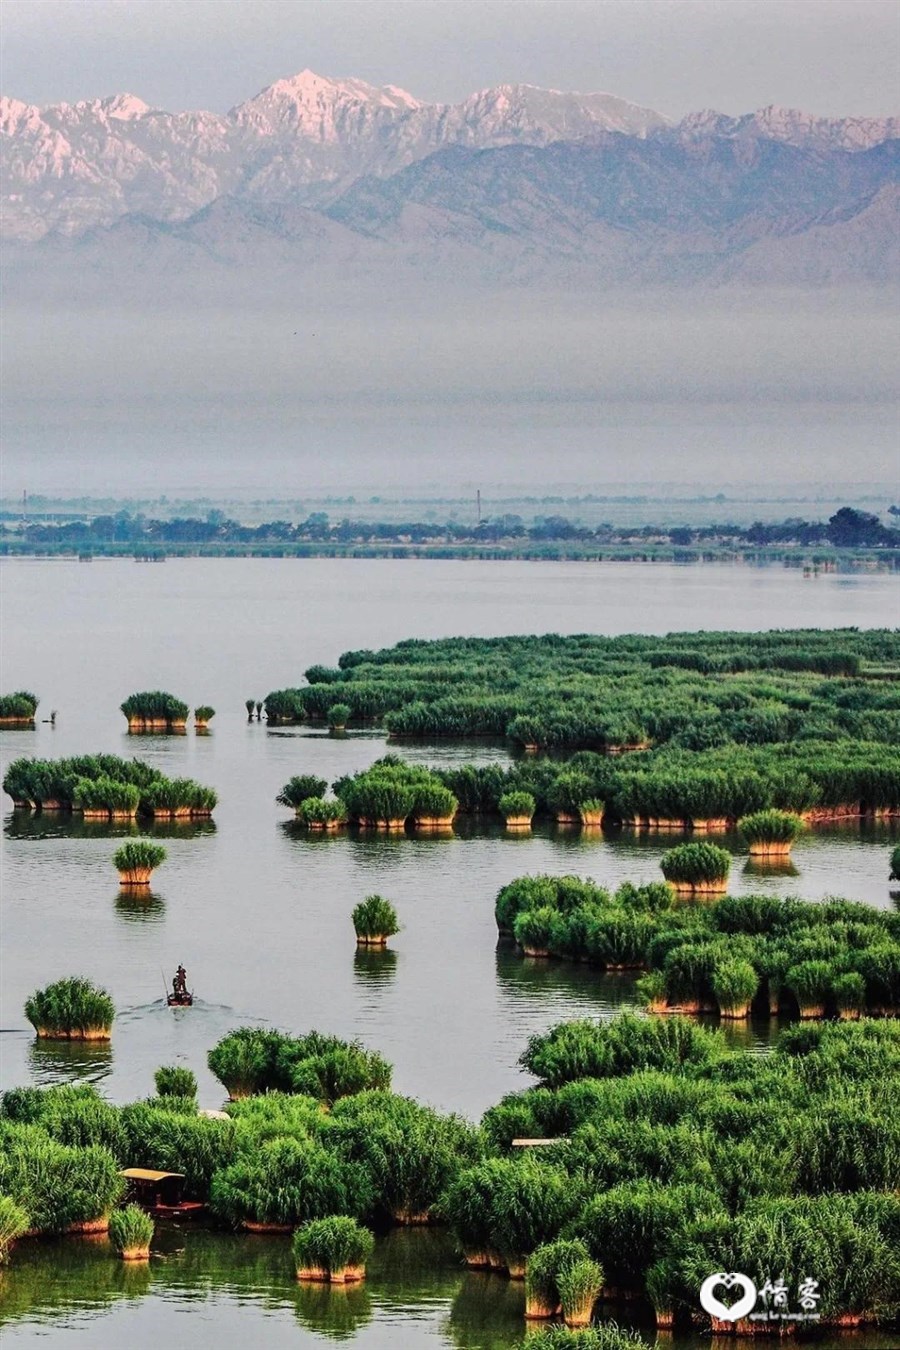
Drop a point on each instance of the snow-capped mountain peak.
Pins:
(124, 107)
(16, 116)
(314, 103)
(401, 97)
(524, 111)
(306, 138)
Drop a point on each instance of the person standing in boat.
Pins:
(179, 984)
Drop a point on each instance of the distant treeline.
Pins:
(125, 532)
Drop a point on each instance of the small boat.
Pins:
(160, 1193)
(184, 1000)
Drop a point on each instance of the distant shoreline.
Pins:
(849, 539)
(819, 561)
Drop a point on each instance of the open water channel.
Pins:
(259, 913)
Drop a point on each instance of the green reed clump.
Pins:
(579, 1283)
(57, 1185)
(106, 783)
(332, 1247)
(72, 1009)
(286, 1181)
(434, 802)
(299, 789)
(411, 1153)
(20, 706)
(137, 853)
(107, 795)
(253, 1059)
(734, 984)
(583, 1049)
(543, 1269)
(771, 827)
(375, 919)
(517, 806)
(322, 813)
(164, 1134)
(136, 860)
(71, 1113)
(131, 1232)
(244, 1060)
(696, 864)
(723, 958)
(509, 1206)
(178, 797)
(155, 705)
(392, 791)
(174, 1080)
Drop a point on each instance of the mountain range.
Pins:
(515, 181)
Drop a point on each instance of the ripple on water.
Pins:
(69, 1061)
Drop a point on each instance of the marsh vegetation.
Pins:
(672, 1150)
(155, 711)
(105, 787)
(131, 1232)
(136, 861)
(692, 732)
(739, 954)
(696, 869)
(374, 921)
(71, 1009)
(18, 709)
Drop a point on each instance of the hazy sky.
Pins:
(439, 389)
(829, 56)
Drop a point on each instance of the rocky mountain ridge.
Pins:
(72, 167)
(514, 180)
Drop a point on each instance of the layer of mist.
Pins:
(244, 390)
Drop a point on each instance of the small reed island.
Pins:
(744, 954)
(770, 834)
(105, 787)
(388, 796)
(18, 710)
(333, 1250)
(696, 869)
(374, 920)
(561, 1280)
(325, 815)
(517, 810)
(136, 861)
(338, 716)
(71, 1010)
(155, 712)
(131, 1232)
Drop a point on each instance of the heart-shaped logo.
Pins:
(730, 1280)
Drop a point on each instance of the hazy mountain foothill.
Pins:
(514, 183)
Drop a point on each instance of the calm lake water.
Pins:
(259, 913)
